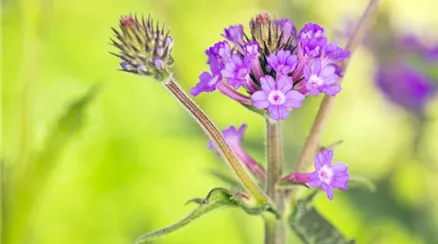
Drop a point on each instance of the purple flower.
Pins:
(274, 49)
(328, 176)
(336, 53)
(218, 55)
(406, 86)
(312, 40)
(431, 54)
(288, 28)
(232, 136)
(277, 96)
(236, 71)
(283, 62)
(321, 78)
(234, 33)
(207, 83)
(252, 49)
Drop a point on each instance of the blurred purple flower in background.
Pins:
(406, 86)
(405, 66)
(234, 137)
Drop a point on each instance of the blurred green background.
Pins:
(125, 162)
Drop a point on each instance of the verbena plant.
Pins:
(270, 70)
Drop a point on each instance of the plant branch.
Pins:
(223, 148)
(325, 108)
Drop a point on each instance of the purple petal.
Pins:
(287, 27)
(207, 83)
(234, 136)
(268, 83)
(339, 167)
(328, 190)
(331, 79)
(331, 90)
(272, 60)
(294, 99)
(260, 100)
(284, 83)
(323, 158)
(340, 182)
(278, 112)
(316, 66)
(234, 33)
(314, 180)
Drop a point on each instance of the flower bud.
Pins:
(144, 48)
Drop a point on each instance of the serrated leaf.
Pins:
(216, 198)
(311, 227)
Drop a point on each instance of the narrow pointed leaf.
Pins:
(311, 227)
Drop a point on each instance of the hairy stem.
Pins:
(325, 108)
(274, 228)
(215, 135)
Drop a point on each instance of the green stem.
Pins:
(274, 228)
(215, 135)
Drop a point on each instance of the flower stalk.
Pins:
(274, 228)
(223, 148)
(326, 106)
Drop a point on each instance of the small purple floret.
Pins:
(321, 78)
(288, 28)
(218, 55)
(234, 33)
(236, 71)
(283, 62)
(312, 40)
(232, 136)
(277, 96)
(328, 176)
(336, 53)
(207, 83)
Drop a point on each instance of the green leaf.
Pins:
(23, 187)
(65, 128)
(216, 198)
(311, 227)
(361, 182)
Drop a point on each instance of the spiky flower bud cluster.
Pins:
(145, 48)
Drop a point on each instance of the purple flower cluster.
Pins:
(327, 176)
(276, 65)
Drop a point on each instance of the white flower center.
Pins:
(213, 80)
(316, 81)
(276, 97)
(326, 174)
